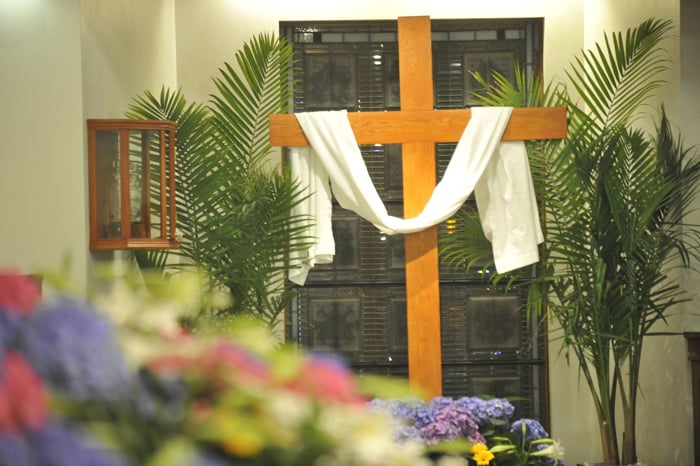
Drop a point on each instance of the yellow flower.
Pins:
(243, 444)
(481, 454)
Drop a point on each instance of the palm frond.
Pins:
(234, 211)
(615, 79)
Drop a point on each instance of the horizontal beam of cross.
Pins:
(399, 127)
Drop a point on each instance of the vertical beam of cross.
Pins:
(419, 178)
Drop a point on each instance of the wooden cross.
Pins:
(417, 126)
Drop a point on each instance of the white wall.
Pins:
(128, 47)
(62, 61)
(42, 163)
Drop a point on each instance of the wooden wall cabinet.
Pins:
(131, 177)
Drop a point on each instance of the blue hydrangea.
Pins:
(74, 350)
(533, 429)
(488, 412)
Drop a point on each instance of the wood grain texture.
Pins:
(418, 163)
(398, 127)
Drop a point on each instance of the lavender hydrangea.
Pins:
(447, 421)
(440, 419)
(74, 350)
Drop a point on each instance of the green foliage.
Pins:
(614, 198)
(233, 208)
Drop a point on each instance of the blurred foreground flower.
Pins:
(18, 293)
(69, 396)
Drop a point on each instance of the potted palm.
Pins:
(233, 209)
(614, 198)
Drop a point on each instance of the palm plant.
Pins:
(614, 199)
(233, 209)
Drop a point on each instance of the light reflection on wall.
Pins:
(20, 21)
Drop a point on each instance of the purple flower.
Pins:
(14, 450)
(10, 327)
(532, 429)
(74, 350)
(56, 445)
(488, 412)
(499, 408)
(449, 422)
(476, 437)
(440, 419)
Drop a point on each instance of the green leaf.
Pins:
(176, 451)
(233, 206)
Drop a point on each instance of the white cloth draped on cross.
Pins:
(497, 172)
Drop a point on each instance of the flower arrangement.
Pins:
(480, 429)
(94, 383)
(70, 395)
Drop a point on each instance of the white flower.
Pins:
(288, 409)
(554, 451)
(362, 437)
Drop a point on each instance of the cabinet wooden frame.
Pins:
(128, 235)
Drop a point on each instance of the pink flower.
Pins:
(225, 357)
(23, 400)
(18, 293)
(221, 364)
(327, 378)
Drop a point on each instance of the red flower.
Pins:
(23, 400)
(18, 293)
